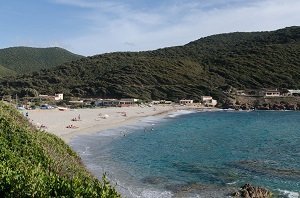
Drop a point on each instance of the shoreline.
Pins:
(90, 121)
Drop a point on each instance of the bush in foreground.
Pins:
(38, 164)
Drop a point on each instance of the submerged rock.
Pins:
(267, 168)
(153, 180)
(249, 191)
(200, 190)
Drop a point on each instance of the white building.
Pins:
(155, 102)
(59, 96)
(56, 97)
(208, 101)
(110, 102)
(127, 101)
(165, 102)
(184, 102)
(76, 101)
(292, 92)
(272, 93)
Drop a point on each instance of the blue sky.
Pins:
(90, 27)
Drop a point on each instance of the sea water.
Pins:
(198, 154)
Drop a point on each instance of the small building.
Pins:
(184, 102)
(168, 102)
(292, 92)
(110, 102)
(272, 93)
(206, 98)
(58, 96)
(76, 101)
(127, 101)
(208, 101)
(155, 102)
(165, 102)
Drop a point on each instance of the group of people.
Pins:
(71, 126)
(76, 118)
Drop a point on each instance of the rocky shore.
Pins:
(262, 103)
(249, 191)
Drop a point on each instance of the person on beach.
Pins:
(79, 117)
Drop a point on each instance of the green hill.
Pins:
(6, 72)
(206, 66)
(27, 59)
(37, 164)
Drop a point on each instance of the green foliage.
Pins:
(26, 59)
(5, 71)
(203, 67)
(38, 164)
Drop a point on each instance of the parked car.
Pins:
(46, 106)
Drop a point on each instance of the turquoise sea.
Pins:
(198, 154)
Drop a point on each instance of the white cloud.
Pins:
(121, 27)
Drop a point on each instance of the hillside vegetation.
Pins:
(6, 72)
(38, 164)
(206, 66)
(27, 59)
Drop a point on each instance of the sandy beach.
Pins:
(73, 122)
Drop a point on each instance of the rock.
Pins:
(236, 194)
(249, 191)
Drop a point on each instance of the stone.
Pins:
(249, 191)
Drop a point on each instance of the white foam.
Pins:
(289, 194)
(231, 183)
(156, 194)
(180, 112)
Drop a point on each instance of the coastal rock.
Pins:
(249, 191)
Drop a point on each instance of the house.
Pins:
(155, 102)
(59, 96)
(76, 101)
(292, 92)
(110, 102)
(208, 101)
(184, 102)
(206, 98)
(165, 102)
(56, 97)
(272, 93)
(127, 101)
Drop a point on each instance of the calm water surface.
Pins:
(203, 154)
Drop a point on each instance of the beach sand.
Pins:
(93, 120)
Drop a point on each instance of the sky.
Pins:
(90, 27)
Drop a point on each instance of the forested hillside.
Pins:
(6, 72)
(206, 66)
(27, 59)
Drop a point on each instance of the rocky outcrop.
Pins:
(249, 191)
